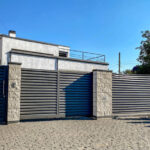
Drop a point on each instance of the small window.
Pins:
(63, 54)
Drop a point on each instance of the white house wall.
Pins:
(79, 66)
(35, 62)
(12, 43)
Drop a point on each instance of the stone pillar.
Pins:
(14, 83)
(102, 93)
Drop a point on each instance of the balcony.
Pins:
(83, 55)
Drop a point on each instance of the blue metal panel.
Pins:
(3, 93)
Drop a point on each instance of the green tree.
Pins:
(142, 69)
(144, 56)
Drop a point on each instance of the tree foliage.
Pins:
(144, 56)
(127, 71)
(142, 69)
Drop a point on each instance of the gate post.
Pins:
(102, 93)
(14, 83)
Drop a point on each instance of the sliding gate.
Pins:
(131, 94)
(51, 94)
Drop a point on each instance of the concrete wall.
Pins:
(102, 93)
(80, 66)
(36, 62)
(14, 88)
(12, 43)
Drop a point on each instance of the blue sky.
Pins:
(101, 26)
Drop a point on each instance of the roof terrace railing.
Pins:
(87, 56)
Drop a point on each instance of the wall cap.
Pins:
(11, 122)
(33, 41)
(14, 63)
(102, 70)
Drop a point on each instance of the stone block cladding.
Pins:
(14, 87)
(102, 93)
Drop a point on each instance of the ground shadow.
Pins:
(137, 120)
(3, 123)
(59, 119)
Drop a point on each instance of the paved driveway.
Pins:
(102, 134)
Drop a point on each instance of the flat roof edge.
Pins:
(102, 70)
(17, 38)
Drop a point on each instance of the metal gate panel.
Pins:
(75, 94)
(131, 94)
(51, 94)
(38, 94)
(3, 93)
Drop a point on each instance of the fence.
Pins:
(45, 94)
(130, 94)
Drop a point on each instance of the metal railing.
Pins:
(87, 56)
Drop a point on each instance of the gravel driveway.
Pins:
(101, 134)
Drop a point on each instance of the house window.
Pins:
(63, 54)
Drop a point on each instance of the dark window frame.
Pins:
(63, 54)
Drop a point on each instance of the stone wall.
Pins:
(14, 82)
(102, 93)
